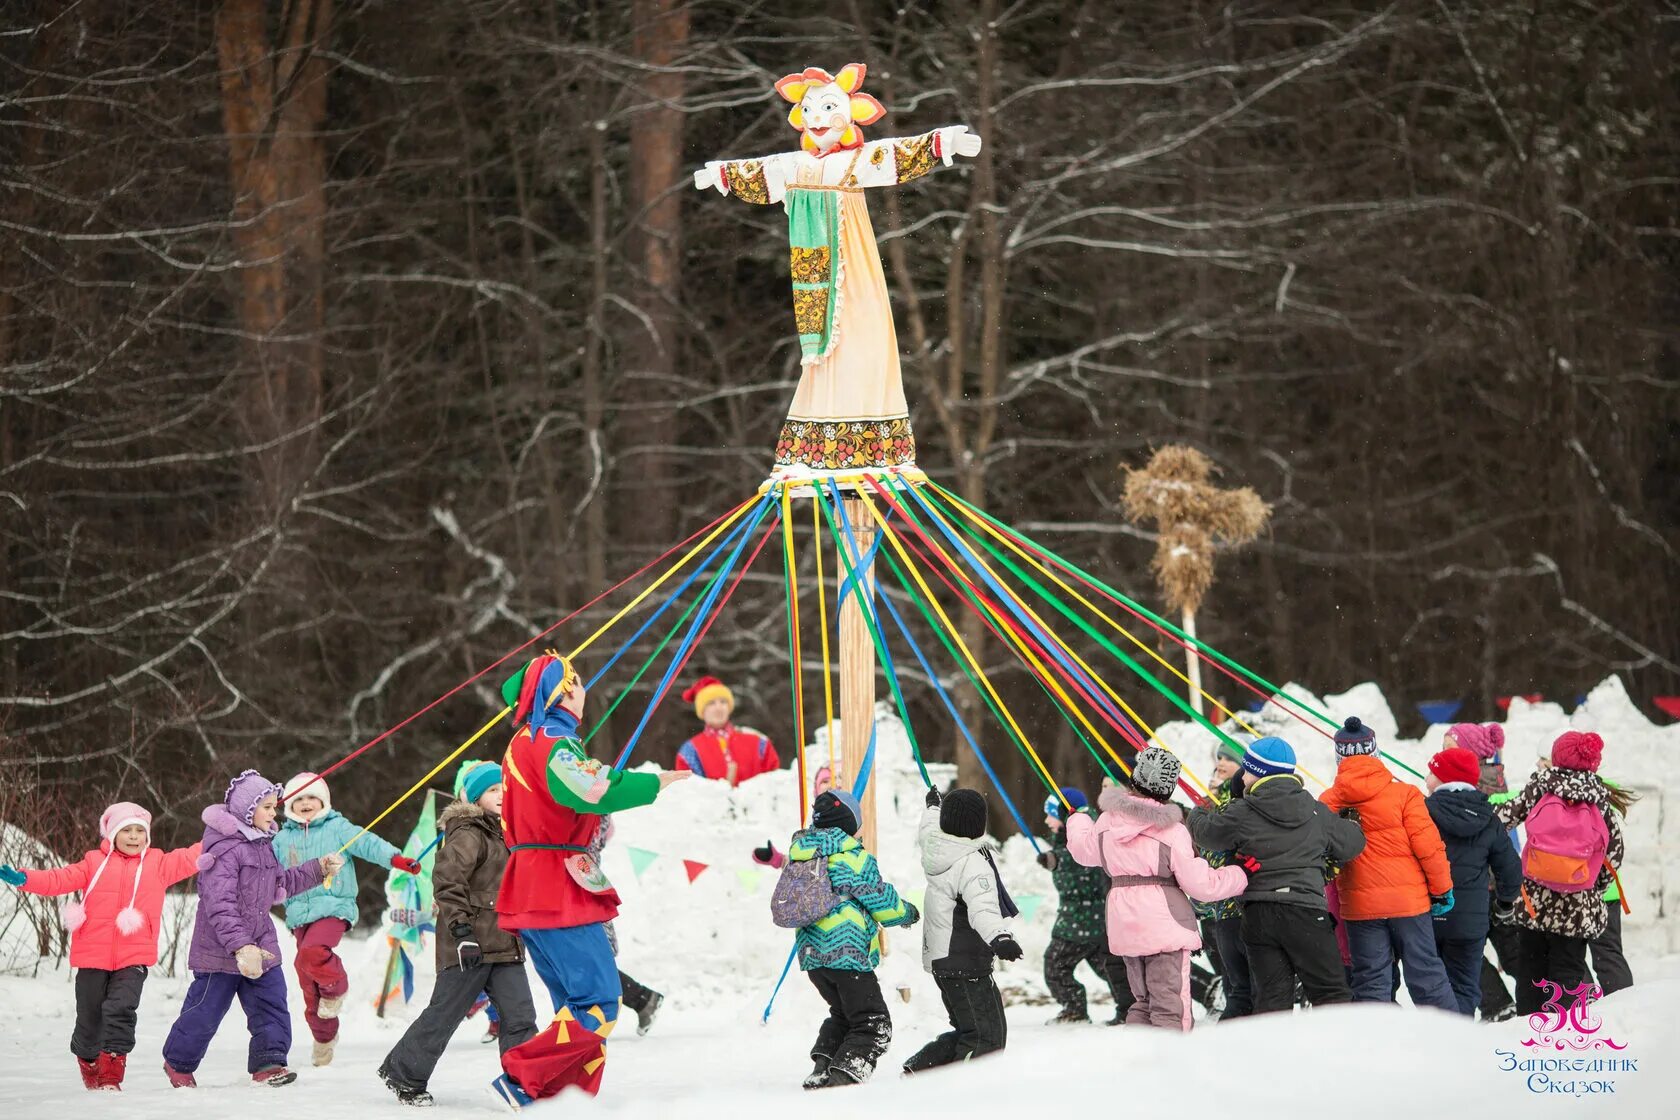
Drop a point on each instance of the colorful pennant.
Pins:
(694, 867)
(1029, 904)
(640, 858)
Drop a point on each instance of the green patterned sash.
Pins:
(814, 240)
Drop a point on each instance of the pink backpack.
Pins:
(1566, 844)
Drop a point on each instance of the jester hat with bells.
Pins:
(861, 108)
(539, 692)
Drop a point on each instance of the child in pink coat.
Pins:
(113, 932)
(1141, 841)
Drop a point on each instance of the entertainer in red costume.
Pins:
(553, 893)
(723, 751)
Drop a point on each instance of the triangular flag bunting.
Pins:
(1028, 904)
(1669, 704)
(749, 877)
(693, 867)
(640, 858)
(1439, 711)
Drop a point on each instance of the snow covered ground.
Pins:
(709, 945)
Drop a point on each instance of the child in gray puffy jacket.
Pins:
(966, 908)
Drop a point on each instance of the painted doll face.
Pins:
(827, 113)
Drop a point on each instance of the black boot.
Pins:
(818, 1077)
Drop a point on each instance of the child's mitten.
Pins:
(1006, 947)
(11, 876)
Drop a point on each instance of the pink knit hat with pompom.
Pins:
(1484, 740)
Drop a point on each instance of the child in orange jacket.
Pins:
(1393, 890)
(113, 932)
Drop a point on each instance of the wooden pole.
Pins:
(1194, 658)
(385, 989)
(857, 667)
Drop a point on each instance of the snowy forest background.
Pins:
(344, 345)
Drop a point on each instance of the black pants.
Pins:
(1507, 950)
(412, 1059)
(1062, 957)
(635, 995)
(858, 1029)
(975, 1007)
(1609, 965)
(107, 1007)
(1286, 941)
(1232, 961)
(1548, 956)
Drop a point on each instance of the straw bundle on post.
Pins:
(1193, 517)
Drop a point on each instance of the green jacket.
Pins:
(1081, 896)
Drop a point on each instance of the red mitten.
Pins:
(1248, 864)
(403, 863)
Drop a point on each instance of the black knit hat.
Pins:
(837, 809)
(963, 813)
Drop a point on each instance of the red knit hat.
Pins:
(1456, 764)
(704, 691)
(1578, 750)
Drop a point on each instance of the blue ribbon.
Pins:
(1095, 696)
(700, 616)
(699, 570)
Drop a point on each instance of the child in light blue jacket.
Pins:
(320, 917)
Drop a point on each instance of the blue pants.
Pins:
(208, 1000)
(1377, 944)
(577, 966)
(1463, 962)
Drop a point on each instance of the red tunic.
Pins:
(554, 800)
(708, 754)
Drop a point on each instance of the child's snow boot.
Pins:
(109, 1069)
(818, 1077)
(328, 1007)
(90, 1073)
(273, 1075)
(322, 1052)
(507, 1090)
(851, 1070)
(645, 1013)
(179, 1080)
(492, 1031)
(406, 1094)
(1067, 1015)
(479, 1004)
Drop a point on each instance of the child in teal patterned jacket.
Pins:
(841, 951)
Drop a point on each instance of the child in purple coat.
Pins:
(235, 951)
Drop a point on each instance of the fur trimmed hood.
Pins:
(1136, 811)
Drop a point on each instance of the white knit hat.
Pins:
(307, 784)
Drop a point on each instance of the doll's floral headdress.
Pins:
(864, 108)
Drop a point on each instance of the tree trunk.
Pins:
(272, 109)
(656, 171)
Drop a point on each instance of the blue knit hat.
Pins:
(1269, 756)
(1073, 795)
(1355, 738)
(475, 777)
